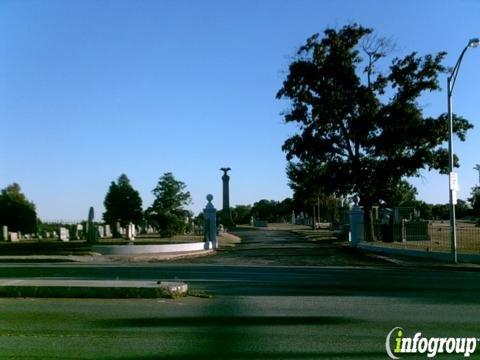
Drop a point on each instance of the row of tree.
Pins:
(123, 205)
(167, 214)
(325, 208)
(16, 211)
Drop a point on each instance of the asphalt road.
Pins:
(276, 280)
(256, 312)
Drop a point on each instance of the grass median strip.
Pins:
(92, 289)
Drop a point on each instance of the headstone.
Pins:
(108, 231)
(14, 237)
(64, 234)
(5, 233)
(91, 228)
(260, 223)
(144, 227)
(78, 231)
(101, 231)
(131, 232)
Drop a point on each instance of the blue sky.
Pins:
(92, 89)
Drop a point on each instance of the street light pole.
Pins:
(452, 176)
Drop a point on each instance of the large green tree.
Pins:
(16, 211)
(122, 203)
(241, 214)
(167, 212)
(362, 130)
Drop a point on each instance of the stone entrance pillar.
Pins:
(210, 225)
(357, 229)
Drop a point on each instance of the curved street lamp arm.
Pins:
(453, 75)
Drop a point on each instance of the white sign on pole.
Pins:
(454, 181)
(454, 197)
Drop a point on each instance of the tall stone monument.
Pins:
(91, 230)
(226, 213)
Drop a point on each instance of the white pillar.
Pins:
(357, 229)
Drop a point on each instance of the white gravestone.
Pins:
(131, 232)
(14, 237)
(101, 231)
(108, 231)
(64, 234)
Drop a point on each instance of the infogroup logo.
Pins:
(397, 344)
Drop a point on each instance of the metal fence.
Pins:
(425, 235)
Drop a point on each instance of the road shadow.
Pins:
(230, 321)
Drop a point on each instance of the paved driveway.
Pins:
(284, 247)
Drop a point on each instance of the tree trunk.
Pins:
(368, 222)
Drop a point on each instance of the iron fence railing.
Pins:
(425, 235)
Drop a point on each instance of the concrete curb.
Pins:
(132, 249)
(91, 289)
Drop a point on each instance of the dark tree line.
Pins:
(167, 214)
(16, 211)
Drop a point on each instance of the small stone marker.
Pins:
(64, 234)
(5, 233)
(131, 232)
(108, 231)
(14, 237)
(101, 231)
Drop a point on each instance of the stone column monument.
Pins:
(226, 214)
(91, 230)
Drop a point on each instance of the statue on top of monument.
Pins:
(225, 170)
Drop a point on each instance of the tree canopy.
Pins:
(16, 211)
(167, 212)
(122, 203)
(362, 130)
(475, 201)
